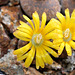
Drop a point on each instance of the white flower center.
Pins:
(37, 39)
(67, 35)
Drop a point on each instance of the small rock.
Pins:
(12, 44)
(9, 66)
(68, 4)
(9, 16)
(63, 54)
(48, 6)
(21, 15)
(4, 39)
(21, 43)
(2, 73)
(2, 2)
(13, 2)
(72, 73)
(5, 42)
(3, 50)
(52, 73)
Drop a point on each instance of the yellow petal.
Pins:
(36, 20)
(73, 15)
(50, 44)
(57, 41)
(30, 57)
(37, 64)
(43, 20)
(72, 21)
(42, 54)
(26, 18)
(67, 14)
(50, 26)
(72, 26)
(22, 36)
(40, 60)
(52, 35)
(68, 49)
(56, 21)
(72, 44)
(60, 17)
(25, 30)
(62, 20)
(26, 26)
(19, 58)
(57, 31)
(73, 36)
(67, 18)
(23, 50)
(50, 51)
(47, 57)
(61, 48)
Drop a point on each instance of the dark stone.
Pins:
(1, 72)
(2, 2)
(68, 4)
(22, 43)
(13, 2)
(13, 43)
(48, 6)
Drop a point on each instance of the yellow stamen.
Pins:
(37, 39)
(66, 33)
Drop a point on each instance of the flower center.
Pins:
(67, 35)
(37, 39)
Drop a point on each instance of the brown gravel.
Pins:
(2, 2)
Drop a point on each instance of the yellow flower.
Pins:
(39, 41)
(68, 31)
